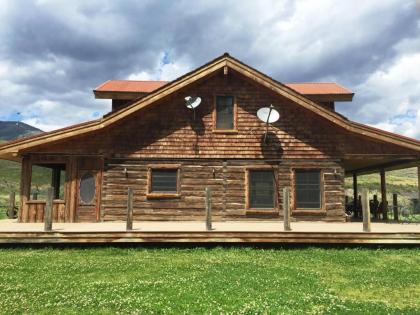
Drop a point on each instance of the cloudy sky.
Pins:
(53, 53)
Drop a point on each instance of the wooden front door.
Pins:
(88, 196)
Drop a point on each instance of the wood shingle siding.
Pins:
(167, 130)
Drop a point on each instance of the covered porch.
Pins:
(385, 204)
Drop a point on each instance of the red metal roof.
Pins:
(149, 86)
(314, 88)
(129, 86)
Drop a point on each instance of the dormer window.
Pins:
(224, 114)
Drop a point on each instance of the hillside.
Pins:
(402, 182)
(10, 130)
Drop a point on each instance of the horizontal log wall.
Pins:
(189, 206)
(227, 181)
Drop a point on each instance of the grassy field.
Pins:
(219, 280)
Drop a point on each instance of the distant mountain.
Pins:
(10, 130)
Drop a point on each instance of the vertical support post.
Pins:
(12, 200)
(383, 195)
(208, 209)
(130, 209)
(418, 180)
(366, 210)
(25, 188)
(48, 213)
(395, 206)
(71, 187)
(355, 195)
(286, 209)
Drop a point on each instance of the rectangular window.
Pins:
(261, 189)
(308, 189)
(164, 181)
(225, 112)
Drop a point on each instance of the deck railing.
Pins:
(34, 211)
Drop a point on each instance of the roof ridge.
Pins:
(139, 80)
(324, 82)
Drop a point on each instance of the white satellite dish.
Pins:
(192, 102)
(268, 115)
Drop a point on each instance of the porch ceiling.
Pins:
(363, 165)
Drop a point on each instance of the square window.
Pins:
(261, 191)
(164, 180)
(308, 189)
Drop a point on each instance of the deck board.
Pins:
(194, 232)
(209, 237)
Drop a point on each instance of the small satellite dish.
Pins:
(192, 102)
(268, 115)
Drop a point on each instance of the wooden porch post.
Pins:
(383, 195)
(355, 194)
(418, 180)
(129, 225)
(25, 188)
(71, 189)
(366, 210)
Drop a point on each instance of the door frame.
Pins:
(94, 165)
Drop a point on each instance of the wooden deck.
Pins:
(194, 232)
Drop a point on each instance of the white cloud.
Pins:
(165, 70)
(54, 52)
(396, 94)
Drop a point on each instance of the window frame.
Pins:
(161, 195)
(40, 163)
(308, 211)
(248, 208)
(93, 201)
(235, 114)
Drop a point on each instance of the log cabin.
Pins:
(168, 155)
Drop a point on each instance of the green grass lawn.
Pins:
(219, 280)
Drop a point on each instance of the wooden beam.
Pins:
(355, 194)
(366, 210)
(72, 189)
(383, 195)
(25, 188)
(286, 209)
(400, 163)
(208, 205)
(129, 225)
(194, 237)
(418, 181)
(48, 213)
